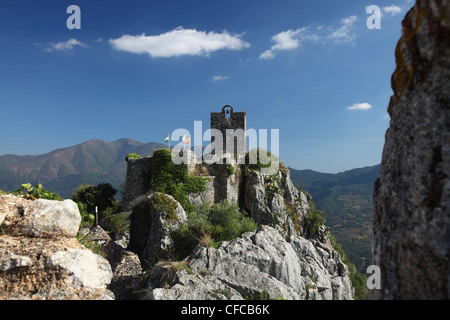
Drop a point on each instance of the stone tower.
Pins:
(233, 127)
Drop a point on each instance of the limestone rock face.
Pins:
(411, 203)
(274, 200)
(40, 258)
(39, 218)
(150, 222)
(51, 269)
(258, 264)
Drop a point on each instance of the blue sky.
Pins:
(141, 69)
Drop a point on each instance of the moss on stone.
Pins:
(132, 156)
(174, 179)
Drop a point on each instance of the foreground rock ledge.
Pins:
(54, 269)
(40, 258)
(260, 264)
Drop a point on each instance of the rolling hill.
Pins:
(63, 170)
(346, 199)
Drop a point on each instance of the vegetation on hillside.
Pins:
(313, 220)
(254, 162)
(358, 279)
(36, 192)
(174, 179)
(209, 226)
(346, 200)
(27, 191)
(132, 156)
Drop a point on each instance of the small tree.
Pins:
(101, 196)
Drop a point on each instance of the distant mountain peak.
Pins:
(103, 159)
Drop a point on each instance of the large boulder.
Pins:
(411, 203)
(51, 269)
(40, 258)
(150, 222)
(39, 218)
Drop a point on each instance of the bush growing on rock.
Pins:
(313, 220)
(132, 156)
(221, 222)
(172, 179)
(249, 160)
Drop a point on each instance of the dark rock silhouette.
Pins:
(412, 195)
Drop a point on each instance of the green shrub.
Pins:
(230, 169)
(228, 221)
(114, 208)
(132, 156)
(258, 165)
(162, 203)
(313, 220)
(119, 224)
(82, 212)
(221, 222)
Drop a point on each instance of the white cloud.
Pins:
(66, 46)
(393, 9)
(292, 39)
(179, 42)
(219, 78)
(267, 55)
(285, 40)
(343, 33)
(360, 106)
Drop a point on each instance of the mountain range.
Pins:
(344, 197)
(63, 170)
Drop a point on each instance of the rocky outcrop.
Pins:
(274, 200)
(279, 260)
(258, 265)
(40, 258)
(150, 222)
(411, 203)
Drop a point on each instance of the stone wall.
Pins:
(411, 204)
(221, 185)
(137, 181)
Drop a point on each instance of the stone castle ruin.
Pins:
(270, 199)
(221, 184)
